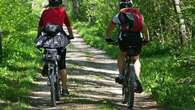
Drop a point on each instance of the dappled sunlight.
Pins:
(91, 82)
(41, 93)
(86, 68)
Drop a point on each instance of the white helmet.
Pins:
(126, 3)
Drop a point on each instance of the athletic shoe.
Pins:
(119, 79)
(65, 92)
(138, 87)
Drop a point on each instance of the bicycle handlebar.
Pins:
(111, 41)
(115, 42)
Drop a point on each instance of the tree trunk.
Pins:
(182, 28)
(75, 5)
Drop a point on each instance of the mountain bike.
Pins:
(130, 79)
(51, 58)
(52, 43)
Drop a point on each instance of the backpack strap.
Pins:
(131, 17)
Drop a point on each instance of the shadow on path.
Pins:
(91, 83)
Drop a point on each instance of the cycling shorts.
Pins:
(127, 39)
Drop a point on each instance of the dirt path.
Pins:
(91, 83)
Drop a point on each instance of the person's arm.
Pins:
(40, 25)
(111, 26)
(109, 30)
(39, 31)
(70, 32)
(68, 25)
(146, 32)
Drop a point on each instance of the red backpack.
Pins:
(131, 17)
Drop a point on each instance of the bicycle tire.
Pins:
(124, 87)
(57, 90)
(130, 86)
(57, 84)
(52, 88)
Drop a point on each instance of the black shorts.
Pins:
(62, 61)
(127, 39)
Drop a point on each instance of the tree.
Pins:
(182, 29)
(75, 5)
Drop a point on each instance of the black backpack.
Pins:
(52, 30)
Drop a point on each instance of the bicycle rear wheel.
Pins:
(57, 90)
(130, 86)
(57, 84)
(52, 87)
(125, 87)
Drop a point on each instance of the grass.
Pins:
(106, 106)
(169, 78)
(17, 106)
(17, 72)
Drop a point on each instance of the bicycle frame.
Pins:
(52, 39)
(130, 77)
(51, 58)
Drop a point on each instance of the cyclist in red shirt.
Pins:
(55, 14)
(131, 23)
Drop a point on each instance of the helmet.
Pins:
(126, 4)
(55, 2)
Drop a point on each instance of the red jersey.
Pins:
(55, 16)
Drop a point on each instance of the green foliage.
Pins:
(106, 106)
(19, 106)
(167, 68)
(90, 36)
(15, 15)
(17, 69)
(169, 78)
(161, 18)
(97, 12)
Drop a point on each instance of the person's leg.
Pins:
(137, 66)
(121, 57)
(63, 73)
(44, 71)
(120, 62)
(63, 77)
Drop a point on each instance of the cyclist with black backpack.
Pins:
(131, 23)
(53, 15)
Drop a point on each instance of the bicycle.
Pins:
(128, 86)
(51, 59)
(130, 78)
(52, 44)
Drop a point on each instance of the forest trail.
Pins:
(91, 83)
